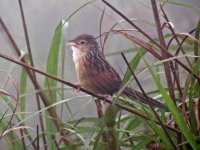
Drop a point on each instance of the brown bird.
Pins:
(96, 74)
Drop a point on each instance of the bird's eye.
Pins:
(82, 42)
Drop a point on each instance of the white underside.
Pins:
(76, 53)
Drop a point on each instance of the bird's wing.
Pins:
(106, 79)
(106, 83)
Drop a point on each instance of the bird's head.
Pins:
(83, 44)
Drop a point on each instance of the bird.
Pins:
(97, 75)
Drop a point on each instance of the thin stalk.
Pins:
(28, 67)
(53, 114)
(32, 64)
(175, 37)
(100, 116)
(151, 39)
(163, 52)
(143, 92)
(37, 138)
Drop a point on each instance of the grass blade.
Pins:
(52, 65)
(23, 88)
(175, 112)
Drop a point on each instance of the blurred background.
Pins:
(42, 17)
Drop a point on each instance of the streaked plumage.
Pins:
(96, 74)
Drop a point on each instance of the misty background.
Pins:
(42, 17)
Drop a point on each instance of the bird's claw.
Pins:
(78, 87)
(104, 98)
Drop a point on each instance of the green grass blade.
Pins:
(52, 68)
(142, 144)
(134, 63)
(11, 138)
(44, 109)
(196, 45)
(63, 67)
(180, 4)
(194, 92)
(159, 131)
(76, 11)
(175, 112)
(23, 88)
(52, 62)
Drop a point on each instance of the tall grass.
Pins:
(125, 123)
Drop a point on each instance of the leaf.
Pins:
(174, 111)
(134, 63)
(11, 136)
(180, 4)
(52, 62)
(52, 68)
(23, 88)
(190, 40)
(196, 46)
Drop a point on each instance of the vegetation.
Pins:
(126, 123)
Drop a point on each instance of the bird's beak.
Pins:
(71, 43)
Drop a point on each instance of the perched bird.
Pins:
(96, 74)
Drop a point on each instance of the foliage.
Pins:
(125, 123)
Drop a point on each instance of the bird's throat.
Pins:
(77, 54)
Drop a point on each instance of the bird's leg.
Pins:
(105, 96)
(78, 87)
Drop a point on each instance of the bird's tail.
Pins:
(137, 95)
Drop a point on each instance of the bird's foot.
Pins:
(104, 98)
(78, 87)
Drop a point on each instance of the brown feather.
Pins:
(137, 95)
(96, 74)
(96, 77)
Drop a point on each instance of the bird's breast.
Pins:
(85, 70)
(97, 76)
(86, 74)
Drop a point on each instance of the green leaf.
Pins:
(23, 88)
(63, 57)
(9, 137)
(134, 63)
(196, 45)
(52, 68)
(175, 112)
(142, 144)
(188, 41)
(52, 62)
(180, 4)
(194, 92)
